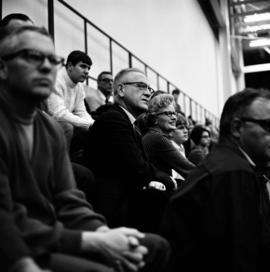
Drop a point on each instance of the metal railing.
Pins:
(188, 105)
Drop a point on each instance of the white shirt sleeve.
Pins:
(57, 108)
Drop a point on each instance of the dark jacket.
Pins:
(115, 154)
(215, 223)
(164, 155)
(40, 208)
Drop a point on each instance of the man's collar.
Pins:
(130, 116)
(247, 157)
(102, 94)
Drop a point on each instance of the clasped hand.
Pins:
(121, 244)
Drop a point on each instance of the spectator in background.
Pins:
(213, 131)
(219, 221)
(103, 94)
(180, 137)
(176, 94)
(180, 134)
(191, 122)
(44, 219)
(66, 103)
(201, 138)
(14, 20)
(115, 153)
(157, 141)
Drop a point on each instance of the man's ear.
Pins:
(236, 125)
(121, 90)
(3, 70)
(69, 66)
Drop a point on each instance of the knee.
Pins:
(156, 243)
(68, 130)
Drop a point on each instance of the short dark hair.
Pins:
(76, 56)
(176, 91)
(14, 16)
(103, 73)
(121, 74)
(196, 133)
(236, 106)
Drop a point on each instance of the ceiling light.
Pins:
(260, 43)
(257, 17)
(255, 28)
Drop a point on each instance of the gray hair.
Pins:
(159, 102)
(118, 78)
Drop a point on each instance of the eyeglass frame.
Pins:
(106, 80)
(263, 123)
(151, 90)
(169, 114)
(25, 51)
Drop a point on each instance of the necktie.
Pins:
(138, 137)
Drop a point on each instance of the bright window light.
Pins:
(257, 17)
(260, 43)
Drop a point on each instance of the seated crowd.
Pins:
(117, 178)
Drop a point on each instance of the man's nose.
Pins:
(147, 92)
(46, 64)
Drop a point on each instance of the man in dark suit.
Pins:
(219, 221)
(114, 152)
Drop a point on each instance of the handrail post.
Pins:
(111, 55)
(190, 107)
(184, 103)
(145, 69)
(129, 59)
(85, 38)
(158, 81)
(196, 111)
(85, 43)
(51, 18)
(168, 86)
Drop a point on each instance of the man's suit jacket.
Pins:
(115, 154)
(219, 217)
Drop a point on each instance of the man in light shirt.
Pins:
(66, 103)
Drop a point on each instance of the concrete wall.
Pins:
(172, 36)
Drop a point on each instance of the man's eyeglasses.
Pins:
(35, 57)
(106, 80)
(264, 123)
(168, 113)
(140, 85)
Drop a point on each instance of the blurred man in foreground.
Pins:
(220, 220)
(45, 221)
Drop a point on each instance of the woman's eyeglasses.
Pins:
(168, 113)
